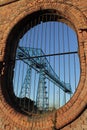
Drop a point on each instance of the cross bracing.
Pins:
(43, 67)
(25, 54)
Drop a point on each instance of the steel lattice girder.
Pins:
(25, 54)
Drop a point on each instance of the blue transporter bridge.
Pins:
(36, 59)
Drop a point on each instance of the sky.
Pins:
(51, 38)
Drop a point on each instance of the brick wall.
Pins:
(71, 116)
(79, 124)
(4, 2)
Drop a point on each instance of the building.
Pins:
(73, 115)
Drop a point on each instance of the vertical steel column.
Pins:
(26, 87)
(42, 99)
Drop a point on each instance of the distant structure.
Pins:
(35, 58)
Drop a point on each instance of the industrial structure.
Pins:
(36, 59)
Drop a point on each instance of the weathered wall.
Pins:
(5, 2)
(71, 114)
(79, 124)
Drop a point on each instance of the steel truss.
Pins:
(40, 64)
